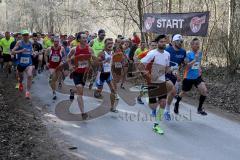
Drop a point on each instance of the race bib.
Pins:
(55, 59)
(24, 60)
(196, 65)
(106, 67)
(118, 65)
(82, 64)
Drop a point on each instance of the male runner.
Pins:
(54, 56)
(97, 46)
(117, 66)
(23, 49)
(153, 45)
(157, 64)
(48, 41)
(177, 56)
(142, 48)
(192, 76)
(81, 55)
(38, 57)
(39, 38)
(126, 51)
(7, 59)
(105, 73)
(75, 42)
(17, 37)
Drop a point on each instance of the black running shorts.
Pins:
(188, 83)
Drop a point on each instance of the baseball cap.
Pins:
(177, 37)
(24, 32)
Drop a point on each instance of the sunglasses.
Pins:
(179, 41)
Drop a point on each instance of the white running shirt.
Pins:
(161, 61)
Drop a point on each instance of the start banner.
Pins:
(187, 24)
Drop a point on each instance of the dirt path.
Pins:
(23, 136)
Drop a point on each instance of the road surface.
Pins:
(128, 134)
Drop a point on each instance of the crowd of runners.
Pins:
(169, 71)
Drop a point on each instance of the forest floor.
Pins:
(23, 135)
(223, 91)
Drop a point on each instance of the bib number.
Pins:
(196, 65)
(106, 67)
(24, 60)
(118, 65)
(82, 64)
(55, 59)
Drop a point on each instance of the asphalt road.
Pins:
(128, 135)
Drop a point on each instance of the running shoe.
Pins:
(71, 97)
(117, 97)
(90, 86)
(176, 108)
(20, 87)
(157, 129)
(59, 85)
(27, 95)
(54, 96)
(167, 116)
(84, 116)
(139, 100)
(97, 94)
(154, 113)
(114, 110)
(202, 112)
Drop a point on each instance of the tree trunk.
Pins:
(169, 6)
(231, 31)
(180, 6)
(140, 12)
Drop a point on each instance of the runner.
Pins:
(141, 49)
(39, 38)
(157, 64)
(117, 66)
(75, 42)
(81, 55)
(54, 57)
(97, 46)
(65, 67)
(177, 56)
(23, 49)
(48, 41)
(17, 38)
(153, 45)
(38, 57)
(104, 73)
(136, 40)
(5, 44)
(126, 50)
(192, 76)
